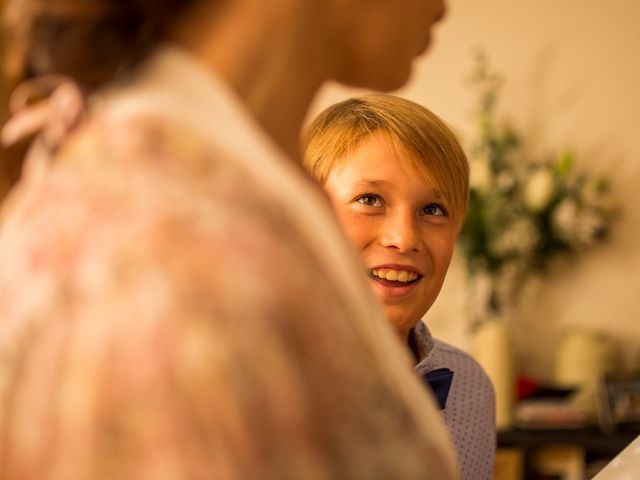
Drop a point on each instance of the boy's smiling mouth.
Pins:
(392, 277)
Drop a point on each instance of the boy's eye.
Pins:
(369, 200)
(434, 210)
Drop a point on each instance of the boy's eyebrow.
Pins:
(371, 183)
(379, 183)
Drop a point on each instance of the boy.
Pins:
(398, 181)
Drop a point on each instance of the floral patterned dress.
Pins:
(177, 302)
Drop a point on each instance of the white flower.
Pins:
(564, 220)
(505, 181)
(539, 189)
(520, 237)
(480, 173)
(575, 225)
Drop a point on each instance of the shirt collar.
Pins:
(421, 342)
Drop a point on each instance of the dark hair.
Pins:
(89, 40)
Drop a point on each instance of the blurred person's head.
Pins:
(398, 180)
(374, 43)
(369, 44)
(88, 40)
(275, 54)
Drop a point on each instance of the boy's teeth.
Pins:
(395, 275)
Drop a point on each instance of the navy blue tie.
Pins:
(439, 380)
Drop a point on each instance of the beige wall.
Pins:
(572, 71)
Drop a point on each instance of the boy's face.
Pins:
(398, 223)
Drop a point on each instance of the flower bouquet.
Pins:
(523, 213)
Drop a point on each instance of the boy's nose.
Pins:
(401, 232)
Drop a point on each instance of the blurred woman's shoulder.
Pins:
(160, 260)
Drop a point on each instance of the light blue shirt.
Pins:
(470, 409)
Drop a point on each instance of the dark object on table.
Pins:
(619, 402)
(527, 387)
(542, 406)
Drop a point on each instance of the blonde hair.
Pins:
(420, 135)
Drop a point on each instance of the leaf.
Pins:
(564, 163)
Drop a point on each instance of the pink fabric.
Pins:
(166, 314)
(49, 107)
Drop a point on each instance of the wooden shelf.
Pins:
(532, 454)
(591, 439)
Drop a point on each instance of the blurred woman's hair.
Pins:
(88, 40)
(414, 131)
